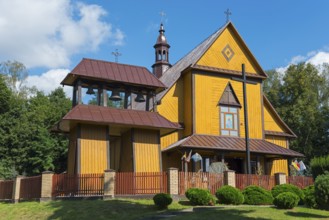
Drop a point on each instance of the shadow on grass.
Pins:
(222, 212)
(99, 209)
(185, 202)
(305, 215)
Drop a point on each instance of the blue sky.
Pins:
(51, 37)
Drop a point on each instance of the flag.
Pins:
(294, 163)
(302, 166)
(189, 156)
(184, 156)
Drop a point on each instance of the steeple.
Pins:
(161, 54)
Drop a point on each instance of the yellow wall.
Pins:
(270, 122)
(71, 159)
(126, 160)
(209, 89)
(214, 57)
(278, 165)
(147, 151)
(170, 139)
(172, 103)
(93, 149)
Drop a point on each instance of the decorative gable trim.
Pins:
(229, 97)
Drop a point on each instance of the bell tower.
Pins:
(161, 54)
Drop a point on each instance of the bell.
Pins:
(140, 97)
(115, 96)
(90, 91)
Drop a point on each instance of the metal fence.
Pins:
(6, 189)
(244, 180)
(30, 188)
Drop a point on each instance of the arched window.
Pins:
(164, 57)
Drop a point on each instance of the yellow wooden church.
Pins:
(192, 109)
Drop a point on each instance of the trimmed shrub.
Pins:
(286, 200)
(255, 195)
(278, 189)
(321, 191)
(309, 197)
(229, 195)
(319, 165)
(162, 200)
(199, 196)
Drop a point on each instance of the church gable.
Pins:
(228, 52)
(229, 97)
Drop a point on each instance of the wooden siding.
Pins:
(278, 165)
(126, 157)
(270, 121)
(94, 158)
(213, 57)
(115, 147)
(71, 159)
(209, 89)
(147, 151)
(172, 104)
(171, 159)
(188, 120)
(170, 139)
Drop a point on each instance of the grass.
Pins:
(141, 209)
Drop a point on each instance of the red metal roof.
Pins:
(233, 144)
(113, 72)
(277, 133)
(113, 116)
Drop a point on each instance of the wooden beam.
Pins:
(79, 92)
(147, 104)
(104, 97)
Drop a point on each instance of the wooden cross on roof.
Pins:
(228, 13)
(116, 54)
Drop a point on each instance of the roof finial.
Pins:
(162, 14)
(228, 13)
(116, 54)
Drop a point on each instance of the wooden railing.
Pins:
(68, 185)
(130, 183)
(211, 181)
(30, 188)
(244, 180)
(300, 181)
(6, 189)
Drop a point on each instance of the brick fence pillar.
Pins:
(229, 178)
(280, 178)
(16, 189)
(46, 186)
(109, 184)
(173, 181)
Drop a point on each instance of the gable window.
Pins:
(229, 121)
(229, 106)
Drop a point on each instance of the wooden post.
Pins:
(104, 97)
(74, 95)
(79, 92)
(147, 104)
(99, 95)
(125, 103)
(154, 102)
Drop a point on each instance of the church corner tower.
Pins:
(161, 54)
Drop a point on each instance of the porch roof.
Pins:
(123, 118)
(236, 144)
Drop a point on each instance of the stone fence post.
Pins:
(16, 189)
(173, 181)
(280, 178)
(229, 178)
(46, 186)
(109, 184)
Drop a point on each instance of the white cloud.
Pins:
(49, 81)
(42, 33)
(316, 58)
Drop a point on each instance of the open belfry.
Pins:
(186, 115)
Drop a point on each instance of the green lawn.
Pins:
(141, 209)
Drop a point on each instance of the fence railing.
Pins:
(68, 185)
(130, 183)
(6, 189)
(211, 181)
(30, 188)
(300, 181)
(244, 180)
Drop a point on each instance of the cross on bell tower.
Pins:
(116, 54)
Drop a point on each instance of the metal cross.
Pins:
(116, 54)
(162, 14)
(228, 13)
